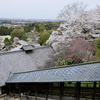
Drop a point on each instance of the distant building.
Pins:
(22, 42)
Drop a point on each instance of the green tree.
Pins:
(7, 42)
(97, 42)
(43, 38)
(42, 28)
(18, 33)
(97, 52)
(62, 62)
(18, 27)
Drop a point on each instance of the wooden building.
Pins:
(76, 82)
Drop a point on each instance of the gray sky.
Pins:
(37, 9)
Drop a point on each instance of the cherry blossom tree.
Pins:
(66, 40)
(16, 39)
(70, 10)
(79, 50)
(86, 25)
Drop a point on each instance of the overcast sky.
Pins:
(37, 9)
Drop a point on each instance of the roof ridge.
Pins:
(22, 50)
(93, 62)
(7, 52)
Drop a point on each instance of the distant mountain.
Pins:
(18, 19)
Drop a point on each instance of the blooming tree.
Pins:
(86, 25)
(70, 10)
(15, 39)
(79, 50)
(73, 38)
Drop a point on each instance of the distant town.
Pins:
(8, 22)
(27, 30)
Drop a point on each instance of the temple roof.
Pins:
(20, 61)
(85, 72)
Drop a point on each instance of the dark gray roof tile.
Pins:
(88, 72)
(19, 61)
(27, 47)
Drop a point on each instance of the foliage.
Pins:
(27, 28)
(32, 35)
(41, 29)
(7, 42)
(18, 27)
(43, 38)
(10, 47)
(97, 52)
(41, 26)
(18, 33)
(5, 22)
(5, 30)
(62, 62)
(97, 42)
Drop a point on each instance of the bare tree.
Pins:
(71, 9)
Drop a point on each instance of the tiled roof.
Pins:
(80, 72)
(36, 45)
(27, 47)
(19, 61)
(16, 48)
(23, 42)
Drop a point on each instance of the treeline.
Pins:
(41, 30)
(32, 30)
(5, 30)
(40, 26)
(36, 26)
(5, 22)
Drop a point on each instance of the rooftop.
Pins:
(23, 42)
(19, 61)
(27, 47)
(85, 72)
